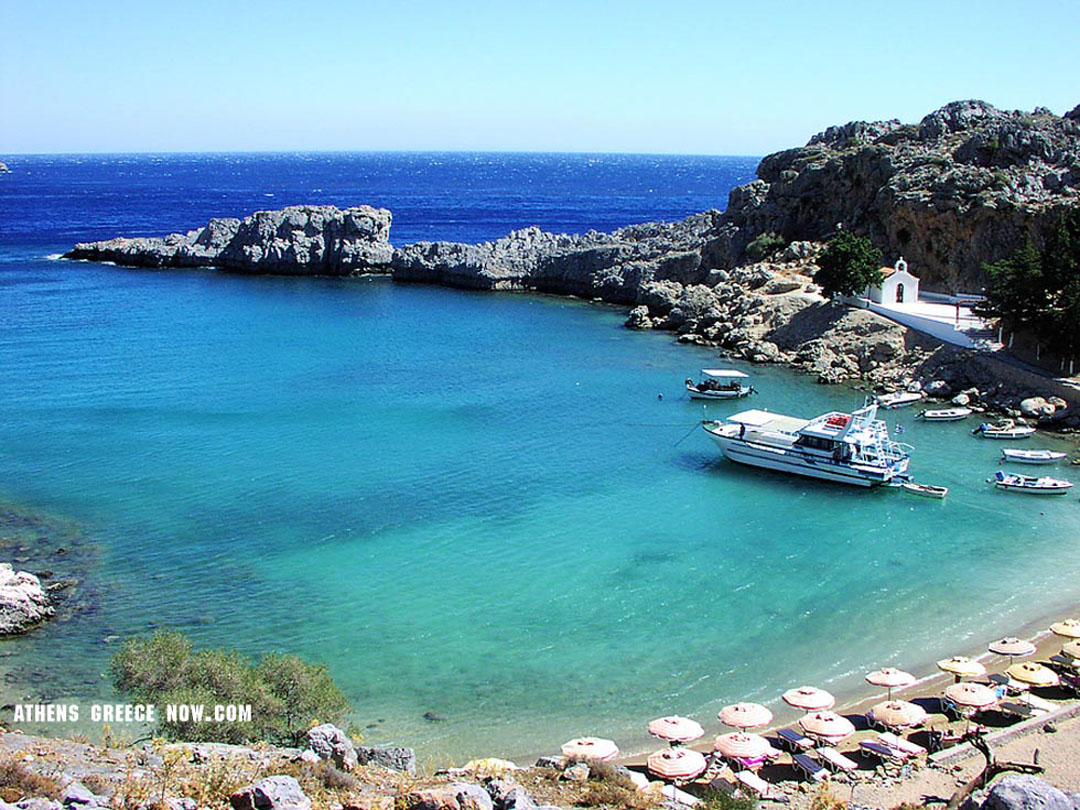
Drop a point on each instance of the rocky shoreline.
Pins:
(968, 184)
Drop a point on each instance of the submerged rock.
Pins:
(23, 602)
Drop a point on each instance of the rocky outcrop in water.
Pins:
(298, 240)
(23, 602)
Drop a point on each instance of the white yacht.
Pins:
(850, 448)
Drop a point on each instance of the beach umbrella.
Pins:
(1071, 649)
(1012, 646)
(594, 748)
(891, 678)
(676, 764)
(1070, 628)
(973, 695)
(809, 698)
(742, 745)
(961, 666)
(745, 715)
(827, 725)
(676, 729)
(1033, 674)
(898, 713)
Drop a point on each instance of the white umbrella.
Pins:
(745, 715)
(676, 763)
(1070, 628)
(962, 666)
(1012, 646)
(594, 748)
(809, 698)
(1071, 649)
(676, 729)
(891, 678)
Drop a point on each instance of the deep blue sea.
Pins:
(470, 505)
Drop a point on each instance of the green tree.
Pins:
(764, 245)
(1017, 290)
(848, 265)
(286, 694)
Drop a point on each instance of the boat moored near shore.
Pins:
(1003, 430)
(719, 383)
(1031, 456)
(900, 399)
(1043, 485)
(846, 448)
(944, 414)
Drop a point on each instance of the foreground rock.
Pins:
(272, 793)
(1021, 792)
(298, 240)
(331, 743)
(23, 602)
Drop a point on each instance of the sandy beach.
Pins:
(1057, 749)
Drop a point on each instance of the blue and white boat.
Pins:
(719, 383)
(848, 448)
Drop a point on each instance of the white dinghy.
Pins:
(1003, 430)
(900, 399)
(944, 414)
(1043, 485)
(1032, 456)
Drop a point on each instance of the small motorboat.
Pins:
(1043, 485)
(944, 414)
(1003, 430)
(1032, 456)
(719, 383)
(925, 490)
(899, 399)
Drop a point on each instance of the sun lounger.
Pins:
(901, 744)
(794, 741)
(1035, 702)
(754, 783)
(884, 753)
(1016, 709)
(1062, 663)
(1012, 687)
(835, 761)
(808, 767)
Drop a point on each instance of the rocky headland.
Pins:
(966, 185)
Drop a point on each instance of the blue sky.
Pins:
(676, 77)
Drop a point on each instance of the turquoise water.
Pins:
(472, 505)
(476, 505)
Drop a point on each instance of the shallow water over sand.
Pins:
(475, 505)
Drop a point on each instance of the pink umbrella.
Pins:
(898, 713)
(676, 764)
(742, 745)
(676, 729)
(809, 698)
(745, 715)
(828, 726)
(973, 695)
(594, 748)
(1012, 646)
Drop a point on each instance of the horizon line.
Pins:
(103, 153)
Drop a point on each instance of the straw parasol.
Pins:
(676, 764)
(891, 678)
(742, 745)
(809, 698)
(1012, 646)
(1071, 649)
(827, 725)
(594, 748)
(1070, 628)
(973, 695)
(1033, 674)
(745, 715)
(961, 666)
(676, 729)
(898, 713)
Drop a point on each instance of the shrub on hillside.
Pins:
(286, 694)
(764, 245)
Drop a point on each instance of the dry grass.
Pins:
(605, 787)
(19, 782)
